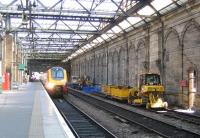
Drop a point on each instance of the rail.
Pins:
(162, 128)
(81, 124)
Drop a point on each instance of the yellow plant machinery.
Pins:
(148, 92)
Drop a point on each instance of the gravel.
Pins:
(176, 122)
(118, 126)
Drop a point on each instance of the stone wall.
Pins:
(168, 46)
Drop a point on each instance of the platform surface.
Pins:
(28, 112)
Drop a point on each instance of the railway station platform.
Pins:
(28, 112)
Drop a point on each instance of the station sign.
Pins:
(183, 83)
(21, 67)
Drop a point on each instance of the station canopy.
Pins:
(64, 29)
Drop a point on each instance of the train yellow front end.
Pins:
(56, 81)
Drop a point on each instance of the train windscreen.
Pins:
(152, 79)
(57, 73)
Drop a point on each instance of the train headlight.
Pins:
(64, 81)
(142, 90)
(50, 85)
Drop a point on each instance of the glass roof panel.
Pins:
(71, 24)
(44, 35)
(124, 24)
(104, 36)
(22, 34)
(60, 25)
(45, 25)
(159, 5)
(76, 36)
(167, 9)
(100, 39)
(6, 2)
(71, 4)
(92, 44)
(87, 26)
(139, 24)
(181, 1)
(88, 46)
(147, 10)
(64, 35)
(116, 29)
(129, 29)
(50, 3)
(134, 20)
(110, 33)
(15, 22)
(95, 41)
(107, 6)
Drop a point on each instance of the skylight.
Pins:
(134, 20)
(159, 5)
(116, 29)
(104, 36)
(124, 24)
(181, 1)
(107, 6)
(78, 22)
(100, 39)
(95, 41)
(147, 10)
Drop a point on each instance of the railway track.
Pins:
(190, 118)
(81, 124)
(162, 128)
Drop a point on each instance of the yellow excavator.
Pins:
(149, 92)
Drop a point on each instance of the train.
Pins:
(55, 81)
(149, 92)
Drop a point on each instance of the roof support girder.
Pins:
(53, 39)
(58, 31)
(59, 17)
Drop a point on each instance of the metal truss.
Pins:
(58, 31)
(58, 17)
(128, 13)
(33, 41)
(57, 27)
(52, 39)
(41, 65)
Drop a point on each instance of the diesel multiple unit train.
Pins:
(55, 81)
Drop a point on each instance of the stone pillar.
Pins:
(14, 63)
(1, 55)
(1, 45)
(20, 73)
(8, 50)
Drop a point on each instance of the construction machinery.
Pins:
(149, 92)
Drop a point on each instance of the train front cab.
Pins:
(57, 82)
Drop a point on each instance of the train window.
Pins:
(58, 74)
(152, 79)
